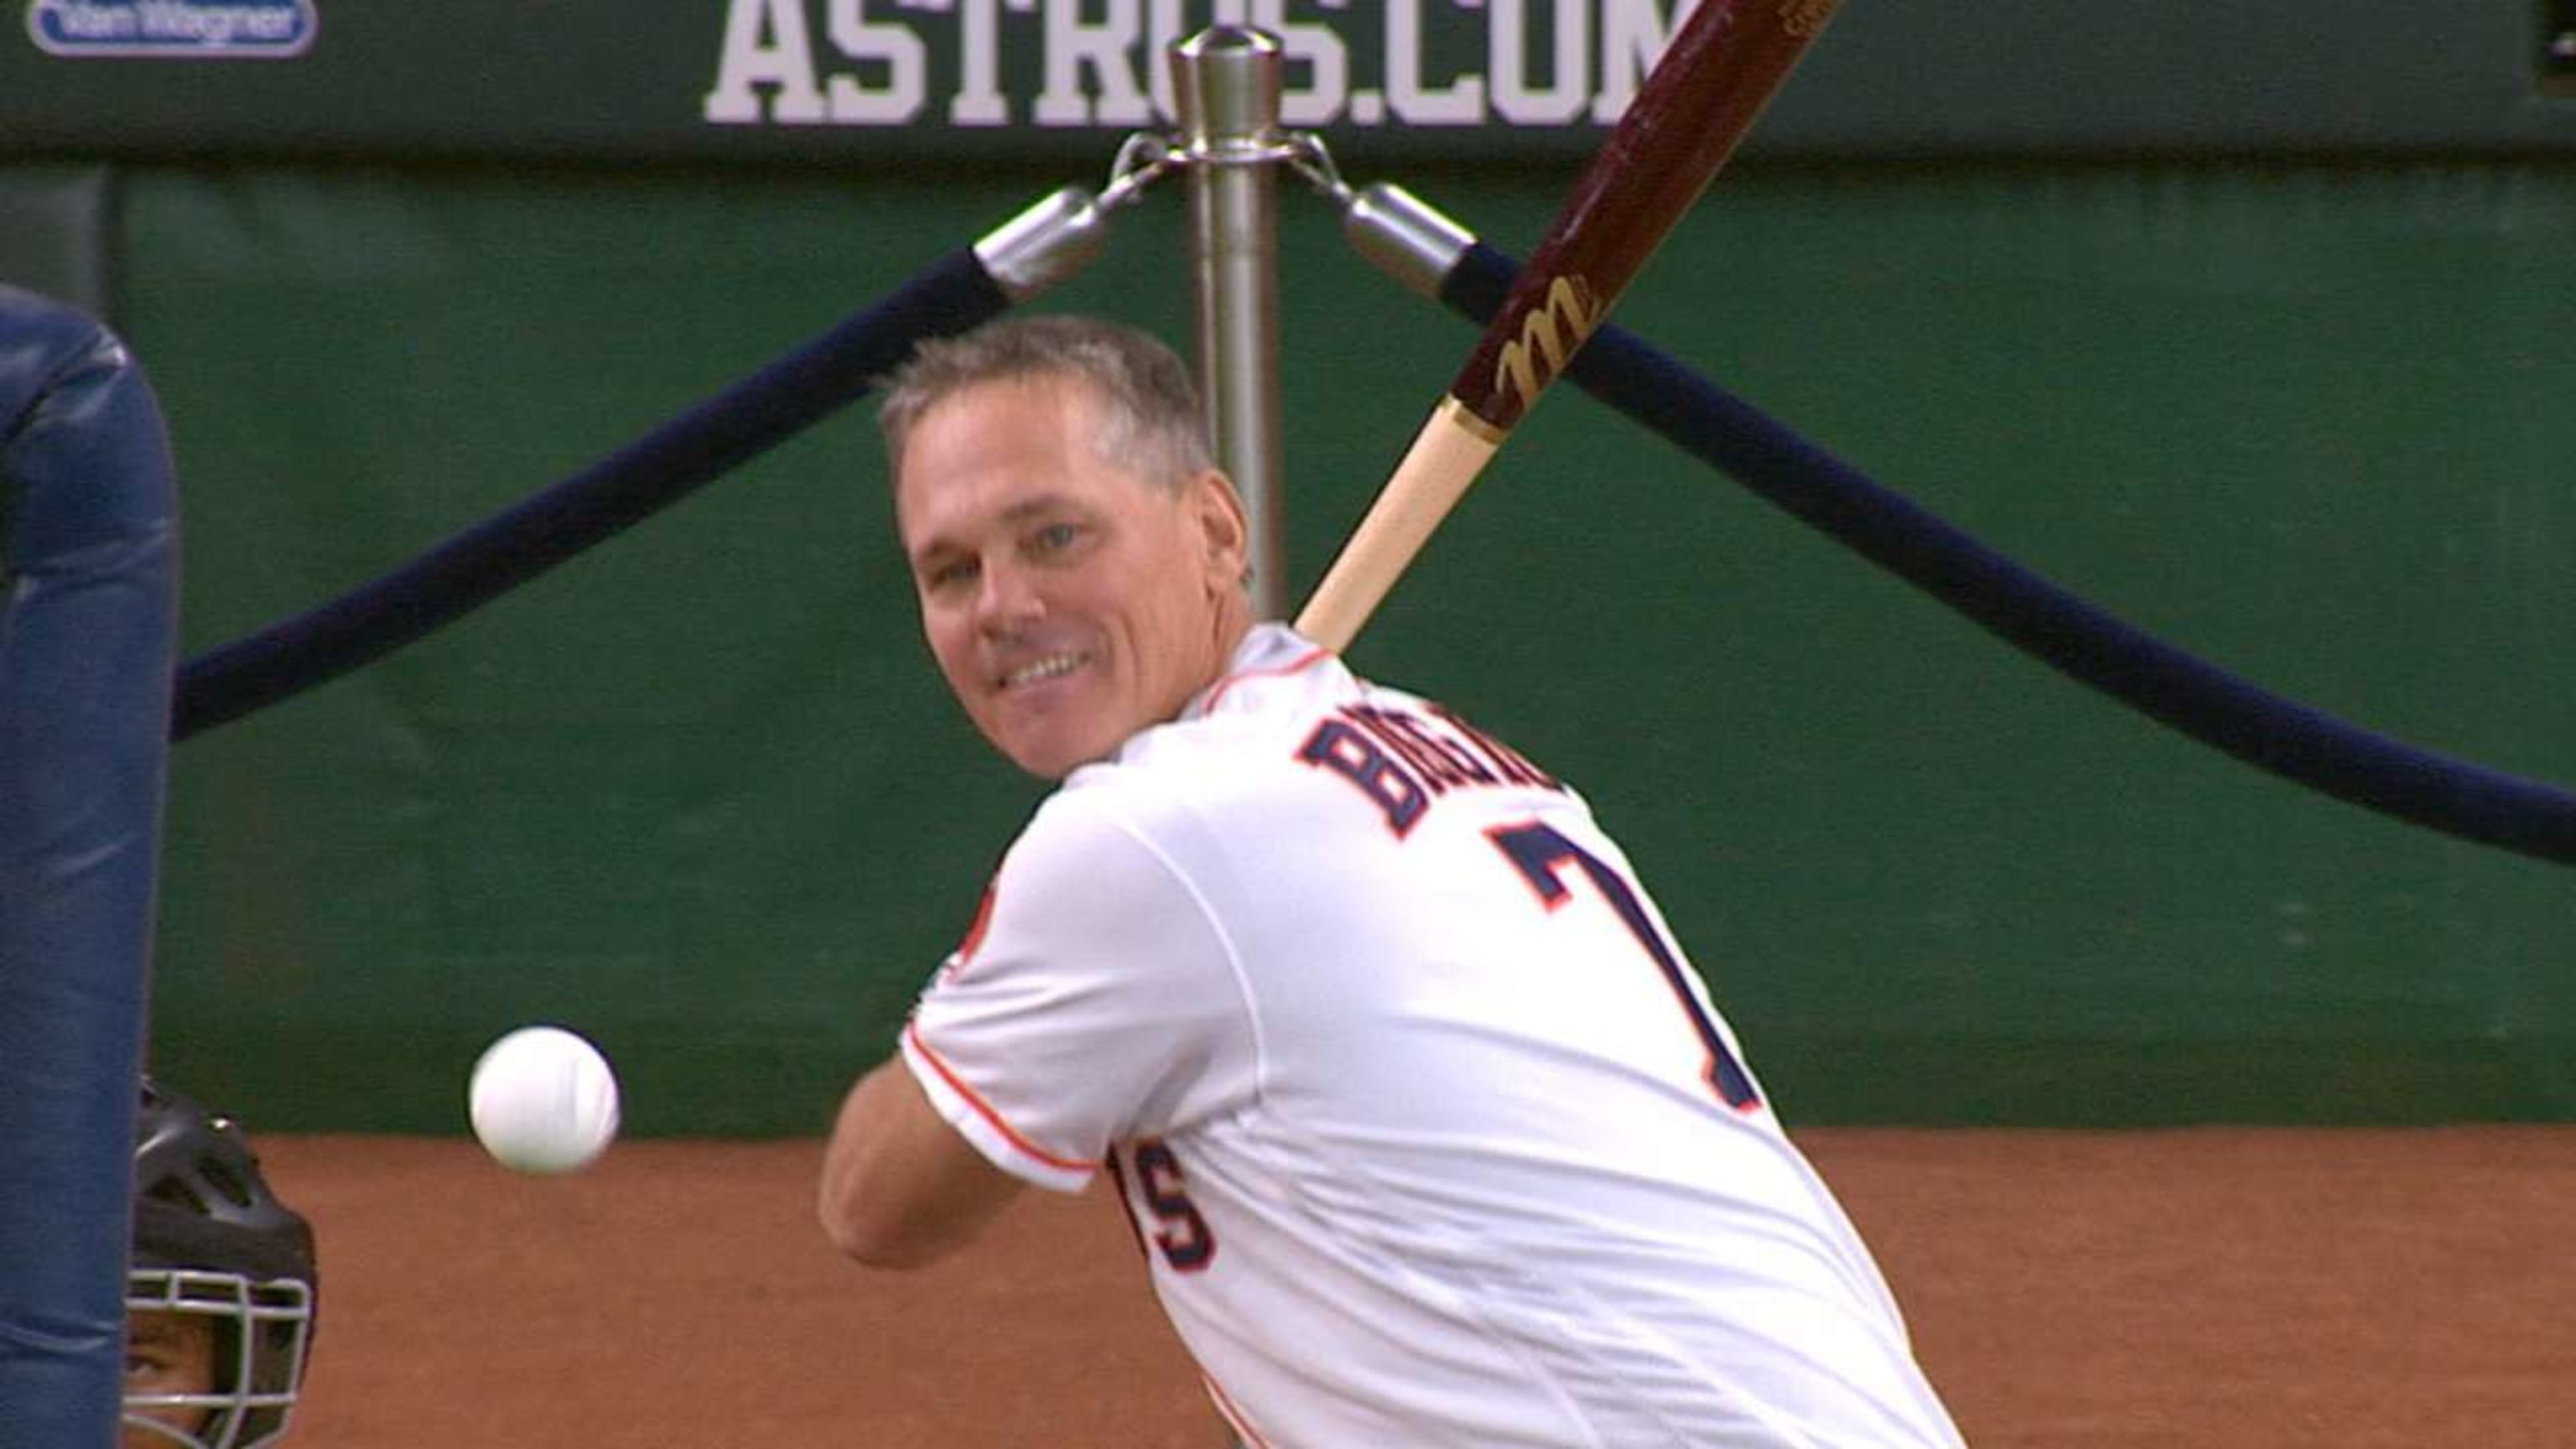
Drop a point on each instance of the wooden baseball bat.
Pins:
(1729, 58)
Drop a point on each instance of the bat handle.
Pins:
(1446, 456)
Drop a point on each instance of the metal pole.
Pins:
(1226, 89)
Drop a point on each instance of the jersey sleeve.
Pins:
(1097, 1000)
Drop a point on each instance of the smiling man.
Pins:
(1080, 572)
(1430, 1131)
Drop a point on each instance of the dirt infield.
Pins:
(2221, 1289)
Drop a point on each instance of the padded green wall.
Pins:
(699, 794)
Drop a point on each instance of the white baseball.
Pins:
(543, 1100)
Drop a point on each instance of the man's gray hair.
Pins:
(1150, 418)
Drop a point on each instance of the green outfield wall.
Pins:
(699, 793)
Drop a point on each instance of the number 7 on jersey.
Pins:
(1540, 852)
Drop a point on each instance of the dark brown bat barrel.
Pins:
(1706, 91)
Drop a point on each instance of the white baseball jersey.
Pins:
(1428, 1130)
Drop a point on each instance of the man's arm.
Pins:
(901, 1188)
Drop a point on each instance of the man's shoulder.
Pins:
(1276, 683)
(1187, 762)
(1236, 761)
(1097, 826)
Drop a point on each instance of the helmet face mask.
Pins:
(260, 1331)
(212, 1244)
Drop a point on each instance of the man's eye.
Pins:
(950, 574)
(1055, 536)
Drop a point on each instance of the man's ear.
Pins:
(1217, 511)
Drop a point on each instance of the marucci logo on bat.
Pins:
(1549, 336)
(1806, 17)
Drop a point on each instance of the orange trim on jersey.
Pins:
(912, 1034)
(975, 928)
(1293, 666)
(1232, 1415)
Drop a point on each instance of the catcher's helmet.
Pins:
(211, 1239)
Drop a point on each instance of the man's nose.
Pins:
(1005, 597)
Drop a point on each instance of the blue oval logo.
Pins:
(179, 29)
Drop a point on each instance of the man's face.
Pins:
(167, 1353)
(1070, 601)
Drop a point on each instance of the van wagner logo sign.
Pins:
(179, 29)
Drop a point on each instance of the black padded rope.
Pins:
(637, 481)
(2035, 616)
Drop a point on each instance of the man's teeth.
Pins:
(1044, 669)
